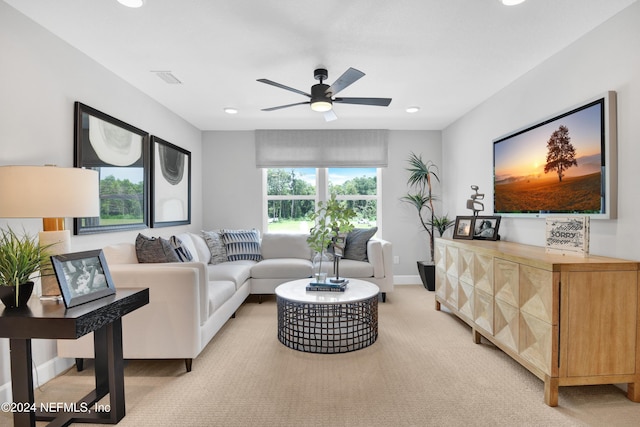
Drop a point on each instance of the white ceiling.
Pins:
(446, 56)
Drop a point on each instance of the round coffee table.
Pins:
(327, 321)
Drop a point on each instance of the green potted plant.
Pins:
(331, 220)
(420, 196)
(20, 259)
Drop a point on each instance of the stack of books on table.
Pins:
(328, 286)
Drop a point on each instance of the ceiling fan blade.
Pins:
(285, 106)
(381, 102)
(330, 116)
(346, 79)
(281, 86)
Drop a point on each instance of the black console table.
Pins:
(50, 320)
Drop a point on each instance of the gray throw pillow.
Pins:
(356, 245)
(155, 249)
(216, 246)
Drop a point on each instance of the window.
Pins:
(359, 188)
(291, 195)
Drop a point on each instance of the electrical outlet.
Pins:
(396, 259)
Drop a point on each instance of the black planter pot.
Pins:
(8, 295)
(427, 275)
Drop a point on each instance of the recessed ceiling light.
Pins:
(412, 110)
(231, 110)
(511, 2)
(132, 3)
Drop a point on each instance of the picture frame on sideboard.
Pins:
(463, 228)
(486, 228)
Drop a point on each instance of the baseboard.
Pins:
(407, 280)
(41, 375)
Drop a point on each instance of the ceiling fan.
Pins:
(322, 95)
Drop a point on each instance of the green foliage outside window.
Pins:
(292, 214)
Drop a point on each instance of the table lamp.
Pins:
(51, 193)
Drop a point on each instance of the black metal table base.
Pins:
(328, 328)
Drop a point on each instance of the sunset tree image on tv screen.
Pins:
(554, 167)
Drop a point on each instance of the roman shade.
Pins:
(321, 148)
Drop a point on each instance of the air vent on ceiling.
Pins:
(168, 77)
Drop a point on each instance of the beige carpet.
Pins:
(424, 370)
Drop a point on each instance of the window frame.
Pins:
(322, 194)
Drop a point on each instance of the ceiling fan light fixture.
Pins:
(412, 110)
(231, 110)
(321, 106)
(511, 2)
(132, 3)
(321, 98)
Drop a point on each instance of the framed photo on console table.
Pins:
(82, 277)
(486, 227)
(463, 228)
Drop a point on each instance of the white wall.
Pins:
(605, 59)
(232, 194)
(401, 225)
(40, 78)
(232, 185)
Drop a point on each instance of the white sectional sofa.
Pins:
(191, 301)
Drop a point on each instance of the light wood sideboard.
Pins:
(570, 320)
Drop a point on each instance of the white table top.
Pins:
(357, 290)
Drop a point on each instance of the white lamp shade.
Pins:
(48, 192)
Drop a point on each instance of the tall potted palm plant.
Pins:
(420, 196)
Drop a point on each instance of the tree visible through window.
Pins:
(359, 188)
(291, 195)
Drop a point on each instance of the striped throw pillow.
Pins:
(242, 244)
(181, 249)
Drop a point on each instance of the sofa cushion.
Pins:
(355, 269)
(285, 245)
(202, 252)
(155, 249)
(237, 272)
(287, 268)
(356, 245)
(219, 292)
(216, 246)
(242, 244)
(121, 253)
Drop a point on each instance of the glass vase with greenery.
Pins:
(331, 219)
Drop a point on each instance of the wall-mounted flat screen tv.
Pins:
(562, 165)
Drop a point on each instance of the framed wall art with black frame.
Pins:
(120, 154)
(463, 228)
(170, 184)
(486, 227)
(82, 277)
